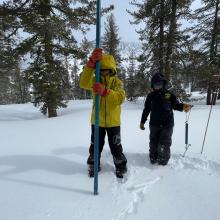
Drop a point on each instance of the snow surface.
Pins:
(43, 171)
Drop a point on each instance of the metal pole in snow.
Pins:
(210, 111)
(97, 77)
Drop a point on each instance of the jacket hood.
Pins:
(108, 62)
(158, 77)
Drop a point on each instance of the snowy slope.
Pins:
(43, 173)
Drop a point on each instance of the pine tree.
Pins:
(111, 44)
(76, 91)
(195, 70)
(5, 71)
(14, 87)
(153, 14)
(111, 40)
(142, 78)
(86, 47)
(49, 26)
(20, 87)
(207, 33)
(131, 84)
(161, 36)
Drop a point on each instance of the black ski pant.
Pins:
(114, 140)
(160, 142)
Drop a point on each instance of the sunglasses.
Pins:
(158, 85)
(105, 71)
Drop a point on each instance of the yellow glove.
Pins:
(186, 107)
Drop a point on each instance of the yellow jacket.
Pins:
(110, 105)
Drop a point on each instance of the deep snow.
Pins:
(43, 172)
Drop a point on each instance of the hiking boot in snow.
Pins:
(91, 170)
(153, 161)
(162, 162)
(120, 171)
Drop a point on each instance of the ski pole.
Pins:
(203, 143)
(96, 144)
(210, 111)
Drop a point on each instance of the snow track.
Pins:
(141, 181)
(138, 192)
(193, 164)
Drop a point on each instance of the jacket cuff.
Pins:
(88, 69)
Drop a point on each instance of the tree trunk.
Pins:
(211, 96)
(161, 50)
(214, 97)
(208, 97)
(218, 95)
(51, 112)
(213, 51)
(171, 39)
(48, 47)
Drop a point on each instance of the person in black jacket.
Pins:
(160, 104)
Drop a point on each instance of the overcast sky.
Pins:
(126, 30)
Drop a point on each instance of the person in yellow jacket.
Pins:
(112, 95)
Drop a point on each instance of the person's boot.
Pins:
(153, 157)
(90, 162)
(91, 170)
(162, 162)
(153, 161)
(163, 155)
(120, 171)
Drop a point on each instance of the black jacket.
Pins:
(161, 104)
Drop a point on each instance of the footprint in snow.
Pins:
(138, 192)
(178, 162)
